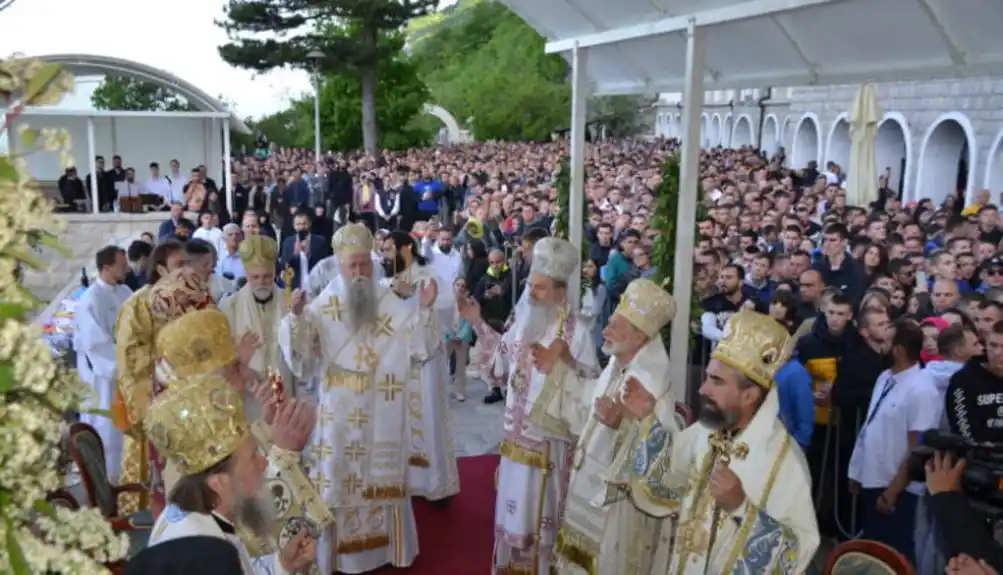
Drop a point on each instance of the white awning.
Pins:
(639, 46)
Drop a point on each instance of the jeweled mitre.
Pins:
(258, 251)
(754, 344)
(555, 258)
(646, 306)
(198, 342)
(198, 422)
(352, 239)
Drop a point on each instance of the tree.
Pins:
(620, 115)
(124, 93)
(400, 92)
(268, 34)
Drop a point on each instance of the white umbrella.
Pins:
(862, 181)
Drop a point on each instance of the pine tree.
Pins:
(268, 34)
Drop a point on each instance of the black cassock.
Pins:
(196, 555)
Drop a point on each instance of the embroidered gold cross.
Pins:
(357, 418)
(333, 308)
(321, 451)
(365, 357)
(325, 416)
(390, 387)
(384, 326)
(355, 451)
(352, 484)
(320, 482)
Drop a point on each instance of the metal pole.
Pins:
(689, 176)
(579, 98)
(93, 166)
(228, 182)
(316, 117)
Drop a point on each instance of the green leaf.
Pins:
(50, 241)
(7, 170)
(12, 310)
(7, 381)
(41, 81)
(29, 138)
(27, 258)
(18, 562)
(45, 508)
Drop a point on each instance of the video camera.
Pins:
(982, 480)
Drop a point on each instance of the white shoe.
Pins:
(459, 396)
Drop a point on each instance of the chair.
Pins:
(87, 452)
(865, 557)
(685, 414)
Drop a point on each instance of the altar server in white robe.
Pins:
(544, 358)
(94, 343)
(736, 478)
(258, 308)
(354, 336)
(602, 532)
(432, 471)
(199, 423)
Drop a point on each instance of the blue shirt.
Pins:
(797, 401)
(230, 264)
(423, 187)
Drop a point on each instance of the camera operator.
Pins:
(974, 400)
(962, 532)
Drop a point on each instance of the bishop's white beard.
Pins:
(256, 512)
(360, 295)
(541, 317)
(262, 293)
(611, 348)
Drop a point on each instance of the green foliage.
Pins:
(268, 34)
(622, 116)
(563, 226)
(399, 91)
(664, 217)
(123, 93)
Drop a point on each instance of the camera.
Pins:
(982, 481)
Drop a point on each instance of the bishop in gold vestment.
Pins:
(736, 479)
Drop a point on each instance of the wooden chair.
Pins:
(87, 451)
(865, 557)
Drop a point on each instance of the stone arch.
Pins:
(452, 126)
(837, 145)
(727, 130)
(771, 138)
(716, 136)
(807, 141)
(993, 180)
(91, 65)
(704, 130)
(893, 149)
(743, 133)
(950, 163)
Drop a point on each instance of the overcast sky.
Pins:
(177, 36)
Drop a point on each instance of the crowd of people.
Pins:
(829, 338)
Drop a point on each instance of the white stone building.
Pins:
(936, 136)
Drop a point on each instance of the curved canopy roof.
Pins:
(639, 46)
(91, 65)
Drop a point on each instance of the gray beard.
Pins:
(256, 513)
(541, 317)
(262, 293)
(360, 295)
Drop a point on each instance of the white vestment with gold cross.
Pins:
(357, 456)
(432, 471)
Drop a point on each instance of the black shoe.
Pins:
(495, 396)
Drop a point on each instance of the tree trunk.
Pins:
(367, 75)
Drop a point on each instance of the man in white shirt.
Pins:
(905, 403)
(209, 232)
(94, 343)
(229, 265)
(158, 185)
(176, 181)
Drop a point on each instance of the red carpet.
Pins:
(459, 539)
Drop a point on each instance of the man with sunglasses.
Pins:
(991, 274)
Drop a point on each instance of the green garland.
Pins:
(664, 219)
(563, 228)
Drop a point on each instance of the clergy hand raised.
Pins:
(469, 309)
(726, 488)
(298, 302)
(246, 347)
(427, 293)
(294, 422)
(299, 552)
(609, 411)
(637, 401)
(545, 359)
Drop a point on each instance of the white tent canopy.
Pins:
(689, 46)
(639, 46)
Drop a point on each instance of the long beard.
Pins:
(361, 303)
(714, 417)
(541, 317)
(256, 513)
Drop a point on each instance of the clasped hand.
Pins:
(545, 359)
(726, 488)
(299, 552)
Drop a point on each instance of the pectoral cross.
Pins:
(333, 308)
(390, 387)
(287, 280)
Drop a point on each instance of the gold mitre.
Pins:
(646, 306)
(198, 342)
(352, 239)
(258, 251)
(754, 344)
(555, 258)
(197, 422)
